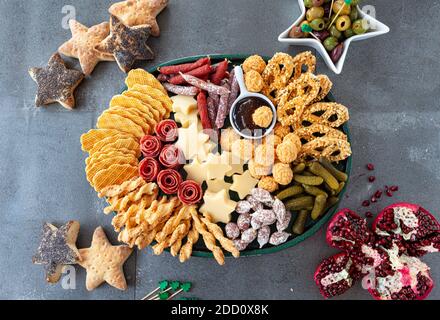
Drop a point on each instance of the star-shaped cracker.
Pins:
(83, 42)
(56, 83)
(218, 205)
(127, 44)
(104, 262)
(243, 184)
(57, 248)
(139, 12)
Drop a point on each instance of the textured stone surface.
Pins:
(390, 84)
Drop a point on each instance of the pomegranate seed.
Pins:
(371, 178)
(389, 193)
(366, 203)
(373, 199)
(394, 188)
(378, 194)
(369, 214)
(370, 167)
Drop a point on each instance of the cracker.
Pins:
(156, 94)
(109, 153)
(94, 168)
(89, 139)
(115, 174)
(328, 113)
(150, 114)
(112, 121)
(148, 101)
(317, 130)
(147, 126)
(142, 77)
(104, 262)
(104, 142)
(334, 150)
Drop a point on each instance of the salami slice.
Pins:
(190, 192)
(171, 157)
(149, 169)
(150, 146)
(167, 130)
(169, 181)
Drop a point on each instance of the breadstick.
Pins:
(186, 251)
(227, 244)
(173, 222)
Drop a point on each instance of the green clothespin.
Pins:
(346, 3)
(163, 285)
(184, 287)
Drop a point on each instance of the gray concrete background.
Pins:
(390, 83)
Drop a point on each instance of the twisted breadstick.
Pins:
(227, 244)
(173, 222)
(208, 238)
(121, 203)
(178, 234)
(186, 251)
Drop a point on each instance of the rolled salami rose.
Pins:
(190, 192)
(166, 130)
(169, 181)
(171, 157)
(150, 146)
(149, 169)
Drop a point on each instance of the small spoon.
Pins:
(244, 94)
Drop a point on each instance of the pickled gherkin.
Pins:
(317, 169)
(319, 206)
(290, 192)
(314, 191)
(309, 180)
(341, 176)
(301, 203)
(300, 222)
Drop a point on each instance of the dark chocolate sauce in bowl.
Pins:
(242, 116)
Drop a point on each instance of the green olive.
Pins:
(343, 23)
(317, 24)
(330, 43)
(346, 9)
(359, 26)
(349, 33)
(335, 32)
(308, 3)
(354, 15)
(314, 13)
(355, 2)
(318, 3)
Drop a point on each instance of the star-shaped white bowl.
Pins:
(380, 29)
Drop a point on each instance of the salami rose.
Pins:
(166, 130)
(169, 181)
(150, 146)
(190, 192)
(171, 157)
(149, 169)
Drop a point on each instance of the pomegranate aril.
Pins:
(369, 214)
(373, 199)
(370, 167)
(394, 188)
(389, 193)
(371, 178)
(378, 194)
(365, 203)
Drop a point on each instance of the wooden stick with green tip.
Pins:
(174, 285)
(162, 286)
(346, 3)
(308, 29)
(331, 9)
(186, 287)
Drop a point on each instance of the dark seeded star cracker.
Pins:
(127, 44)
(57, 248)
(56, 83)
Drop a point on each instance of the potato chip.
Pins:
(99, 145)
(112, 153)
(112, 121)
(94, 168)
(89, 139)
(148, 101)
(133, 116)
(142, 77)
(128, 144)
(115, 174)
(167, 103)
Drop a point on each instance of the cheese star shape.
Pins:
(193, 143)
(186, 119)
(127, 44)
(236, 164)
(184, 104)
(196, 171)
(243, 184)
(83, 42)
(139, 12)
(217, 185)
(216, 168)
(56, 83)
(104, 262)
(57, 248)
(218, 205)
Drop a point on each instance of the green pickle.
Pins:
(290, 192)
(301, 203)
(319, 170)
(299, 168)
(300, 222)
(341, 186)
(319, 206)
(311, 181)
(314, 191)
(331, 202)
(341, 176)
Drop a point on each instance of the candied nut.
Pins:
(268, 183)
(244, 149)
(240, 244)
(280, 209)
(279, 238)
(256, 205)
(262, 196)
(244, 221)
(249, 235)
(263, 116)
(292, 137)
(232, 231)
(264, 155)
(281, 131)
(284, 224)
(287, 152)
(257, 170)
(227, 138)
(282, 173)
(255, 223)
(255, 63)
(254, 81)
(243, 207)
(263, 236)
(266, 217)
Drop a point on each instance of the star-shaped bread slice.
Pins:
(196, 171)
(104, 262)
(57, 249)
(127, 44)
(83, 42)
(139, 12)
(218, 205)
(243, 184)
(56, 83)
(216, 168)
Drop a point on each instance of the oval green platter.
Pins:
(312, 227)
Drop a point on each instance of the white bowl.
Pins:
(380, 29)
